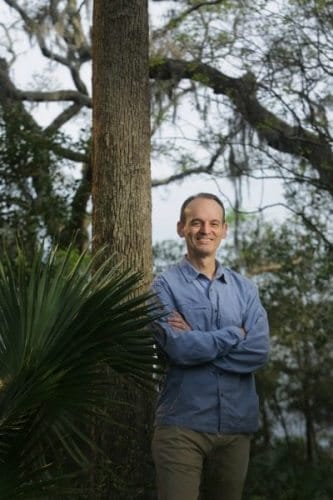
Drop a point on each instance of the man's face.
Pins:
(203, 228)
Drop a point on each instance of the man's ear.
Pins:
(225, 231)
(180, 229)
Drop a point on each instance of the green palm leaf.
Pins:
(61, 326)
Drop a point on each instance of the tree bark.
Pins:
(121, 132)
(121, 196)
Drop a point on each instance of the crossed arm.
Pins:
(232, 348)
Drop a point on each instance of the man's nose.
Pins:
(205, 228)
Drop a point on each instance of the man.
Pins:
(214, 336)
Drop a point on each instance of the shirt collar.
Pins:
(190, 273)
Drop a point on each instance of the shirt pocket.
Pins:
(199, 316)
(231, 314)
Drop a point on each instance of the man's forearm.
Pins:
(250, 354)
(192, 347)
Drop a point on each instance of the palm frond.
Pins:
(61, 326)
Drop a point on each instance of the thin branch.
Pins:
(272, 267)
(14, 5)
(175, 21)
(69, 154)
(63, 118)
(207, 169)
(54, 96)
(314, 228)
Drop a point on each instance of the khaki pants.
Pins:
(194, 465)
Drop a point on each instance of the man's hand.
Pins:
(178, 323)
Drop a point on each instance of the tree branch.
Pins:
(69, 154)
(76, 227)
(54, 96)
(276, 132)
(207, 169)
(175, 21)
(272, 267)
(63, 118)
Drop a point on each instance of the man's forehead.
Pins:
(203, 206)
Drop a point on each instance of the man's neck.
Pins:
(205, 265)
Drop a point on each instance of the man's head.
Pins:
(207, 196)
(202, 224)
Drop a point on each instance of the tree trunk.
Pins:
(121, 195)
(121, 132)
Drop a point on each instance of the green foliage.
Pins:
(281, 473)
(35, 191)
(66, 328)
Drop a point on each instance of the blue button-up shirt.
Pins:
(209, 385)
